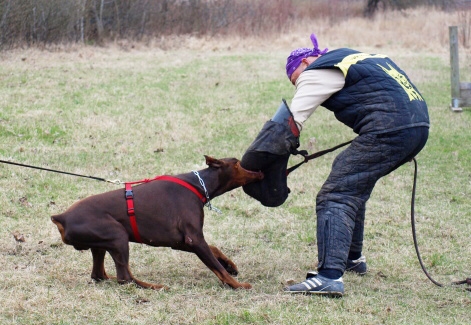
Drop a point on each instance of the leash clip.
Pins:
(116, 181)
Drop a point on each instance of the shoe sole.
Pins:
(332, 294)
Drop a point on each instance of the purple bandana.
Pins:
(295, 58)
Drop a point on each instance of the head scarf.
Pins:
(295, 58)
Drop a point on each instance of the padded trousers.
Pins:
(340, 204)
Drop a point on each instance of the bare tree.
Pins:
(371, 7)
(3, 22)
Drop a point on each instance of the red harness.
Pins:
(130, 198)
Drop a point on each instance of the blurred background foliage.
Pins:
(25, 23)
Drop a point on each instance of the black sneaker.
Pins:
(319, 285)
(357, 266)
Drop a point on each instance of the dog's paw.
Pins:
(245, 285)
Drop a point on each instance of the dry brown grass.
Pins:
(407, 30)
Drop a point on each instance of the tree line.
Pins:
(43, 22)
(372, 6)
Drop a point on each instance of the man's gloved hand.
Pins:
(269, 153)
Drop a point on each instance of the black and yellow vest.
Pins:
(378, 97)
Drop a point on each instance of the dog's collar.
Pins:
(208, 203)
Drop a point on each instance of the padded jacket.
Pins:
(378, 96)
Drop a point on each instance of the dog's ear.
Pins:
(213, 162)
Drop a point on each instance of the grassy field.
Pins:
(130, 111)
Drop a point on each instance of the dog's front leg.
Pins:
(204, 252)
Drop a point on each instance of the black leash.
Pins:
(289, 170)
(314, 155)
(414, 236)
(61, 172)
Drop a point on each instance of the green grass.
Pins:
(136, 114)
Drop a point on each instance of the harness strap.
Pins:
(184, 184)
(129, 194)
(132, 215)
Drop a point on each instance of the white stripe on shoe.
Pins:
(311, 283)
(305, 283)
(317, 281)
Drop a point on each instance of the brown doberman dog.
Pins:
(167, 214)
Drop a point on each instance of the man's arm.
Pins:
(313, 87)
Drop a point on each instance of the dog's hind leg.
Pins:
(230, 267)
(120, 255)
(98, 271)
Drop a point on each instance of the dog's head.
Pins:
(230, 174)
